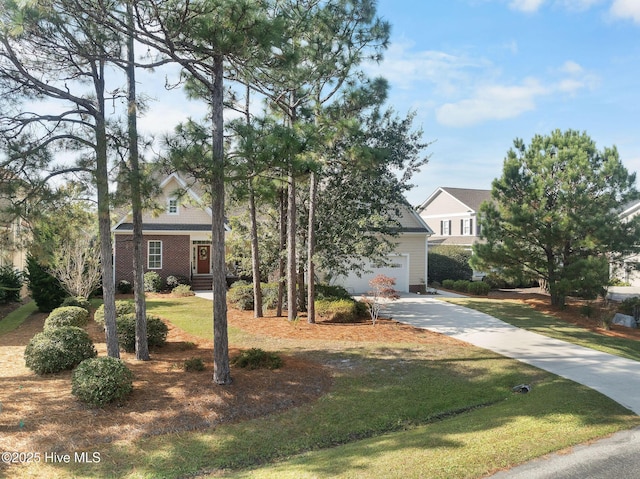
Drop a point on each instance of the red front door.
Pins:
(204, 261)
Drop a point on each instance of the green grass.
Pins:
(17, 317)
(525, 317)
(395, 410)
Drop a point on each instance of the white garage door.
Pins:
(399, 270)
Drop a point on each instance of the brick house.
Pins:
(177, 236)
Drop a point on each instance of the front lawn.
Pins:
(403, 403)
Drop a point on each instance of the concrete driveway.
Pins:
(611, 375)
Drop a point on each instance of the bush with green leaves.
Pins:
(331, 291)
(124, 287)
(461, 285)
(11, 281)
(45, 289)
(194, 364)
(478, 288)
(58, 349)
(174, 280)
(240, 295)
(152, 282)
(256, 358)
(67, 316)
(449, 262)
(339, 310)
(631, 307)
(77, 301)
(182, 290)
(100, 381)
(157, 332)
(448, 283)
(122, 307)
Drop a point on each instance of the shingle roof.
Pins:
(470, 197)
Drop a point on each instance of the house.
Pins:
(628, 269)
(452, 214)
(176, 239)
(408, 263)
(13, 239)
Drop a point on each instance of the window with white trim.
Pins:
(445, 228)
(154, 254)
(466, 227)
(172, 206)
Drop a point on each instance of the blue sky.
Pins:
(480, 73)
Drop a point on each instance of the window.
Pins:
(172, 206)
(466, 227)
(154, 254)
(445, 228)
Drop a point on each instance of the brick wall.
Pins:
(176, 256)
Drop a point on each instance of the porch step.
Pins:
(202, 283)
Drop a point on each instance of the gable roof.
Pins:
(468, 197)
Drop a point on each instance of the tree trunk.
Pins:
(283, 243)
(221, 368)
(311, 249)
(292, 310)
(104, 221)
(142, 343)
(255, 255)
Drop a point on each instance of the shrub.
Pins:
(449, 262)
(479, 288)
(79, 301)
(58, 349)
(126, 326)
(46, 290)
(67, 316)
(182, 290)
(100, 381)
(124, 287)
(339, 311)
(461, 285)
(327, 291)
(448, 283)
(256, 358)
(270, 295)
(176, 280)
(152, 282)
(122, 307)
(10, 284)
(194, 364)
(240, 296)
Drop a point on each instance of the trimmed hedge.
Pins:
(240, 295)
(126, 326)
(67, 316)
(478, 288)
(58, 349)
(122, 307)
(100, 381)
(77, 301)
(152, 282)
(340, 310)
(449, 262)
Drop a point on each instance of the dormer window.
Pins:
(172, 206)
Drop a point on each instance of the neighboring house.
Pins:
(408, 263)
(628, 270)
(13, 238)
(452, 214)
(176, 239)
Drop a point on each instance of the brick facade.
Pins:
(176, 256)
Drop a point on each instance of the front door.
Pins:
(204, 259)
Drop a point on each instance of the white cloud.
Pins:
(528, 6)
(492, 102)
(628, 9)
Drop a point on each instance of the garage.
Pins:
(398, 269)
